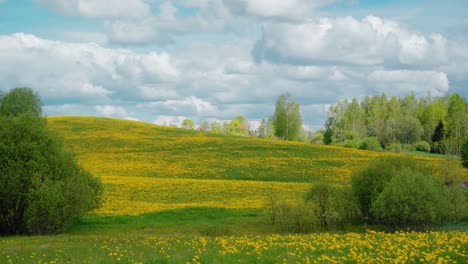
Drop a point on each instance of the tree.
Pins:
(266, 128)
(287, 118)
(328, 133)
(238, 126)
(216, 127)
(19, 101)
(42, 188)
(455, 122)
(205, 126)
(188, 124)
(464, 154)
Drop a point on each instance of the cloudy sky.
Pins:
(162, 61)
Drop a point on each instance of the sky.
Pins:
(164, 61)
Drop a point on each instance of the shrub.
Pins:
(394, 147)
(351, 144)
(42, 189)
(464, 153)
(410, 199)
(370, 143)
(298, 217)
(402, 192)
(334, 206)
(368, 183)
(422, 146)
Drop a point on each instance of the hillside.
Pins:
(148, 168)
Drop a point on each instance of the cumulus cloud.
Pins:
(346, 40)
(99, 8)
(402, 81)
(165, 120)
(79, 72)
(110, 110)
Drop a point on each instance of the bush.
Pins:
(370, 143)
(422, 146)
(334, 206)
(296, 217)
(410, 199)
(351, 144)
(394, 147)
(401, 192)
(42, 189)
(464, 154)
(368, 183)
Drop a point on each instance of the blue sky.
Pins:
(163, 61)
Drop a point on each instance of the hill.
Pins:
(148, 168)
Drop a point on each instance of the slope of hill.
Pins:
(148, 168)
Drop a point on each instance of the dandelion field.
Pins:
(182, 196)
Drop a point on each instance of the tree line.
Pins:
(436, 124)
(284, 124)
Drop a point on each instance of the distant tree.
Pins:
(439, 132)
(239, 126)
(266, 128)
(188, 124)
(205, 127)
(328, 133)
(19, 101)
(464, 154)
(287, 118)
(216, 127)
(455, 122)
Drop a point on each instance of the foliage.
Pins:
(394, 147)
(287, 118)
(266, 129)
(422, 146)
(410, 199)
(370, 143)
(42, 189)
(188, 124)
(354, 144)
(440, 121)
(238, 126)
(334, 206)
(19, 101)
(402, 192)
(464, 153)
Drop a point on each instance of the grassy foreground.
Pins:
(181, 196)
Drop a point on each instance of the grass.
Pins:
(177, 196)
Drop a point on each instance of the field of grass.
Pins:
(181, 196)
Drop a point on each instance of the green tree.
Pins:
(188, 124)
(464, 154)
(42, 188)
(287, 118)
(328, 133)
(19, 101)
(266, 128)
(455, 122)
(205, 126)
(216, 127)
(238, 126)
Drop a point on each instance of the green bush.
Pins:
(369, 182)
(403, 192)
(410, 199)
(394, 147)
(464, 153)
(370, 143)
(334, 206)
(298, 217)
(351, 144)
(42, 189)
(422, 146)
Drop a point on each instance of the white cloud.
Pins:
(110, 110)
(99, 8)
(169, 120)
(401, 82)
(85, 72)
(346, 40)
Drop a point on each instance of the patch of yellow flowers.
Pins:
(371, 247)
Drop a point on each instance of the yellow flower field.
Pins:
(137, 195)
(372, 247)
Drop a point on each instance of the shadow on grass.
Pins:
(208, 221)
